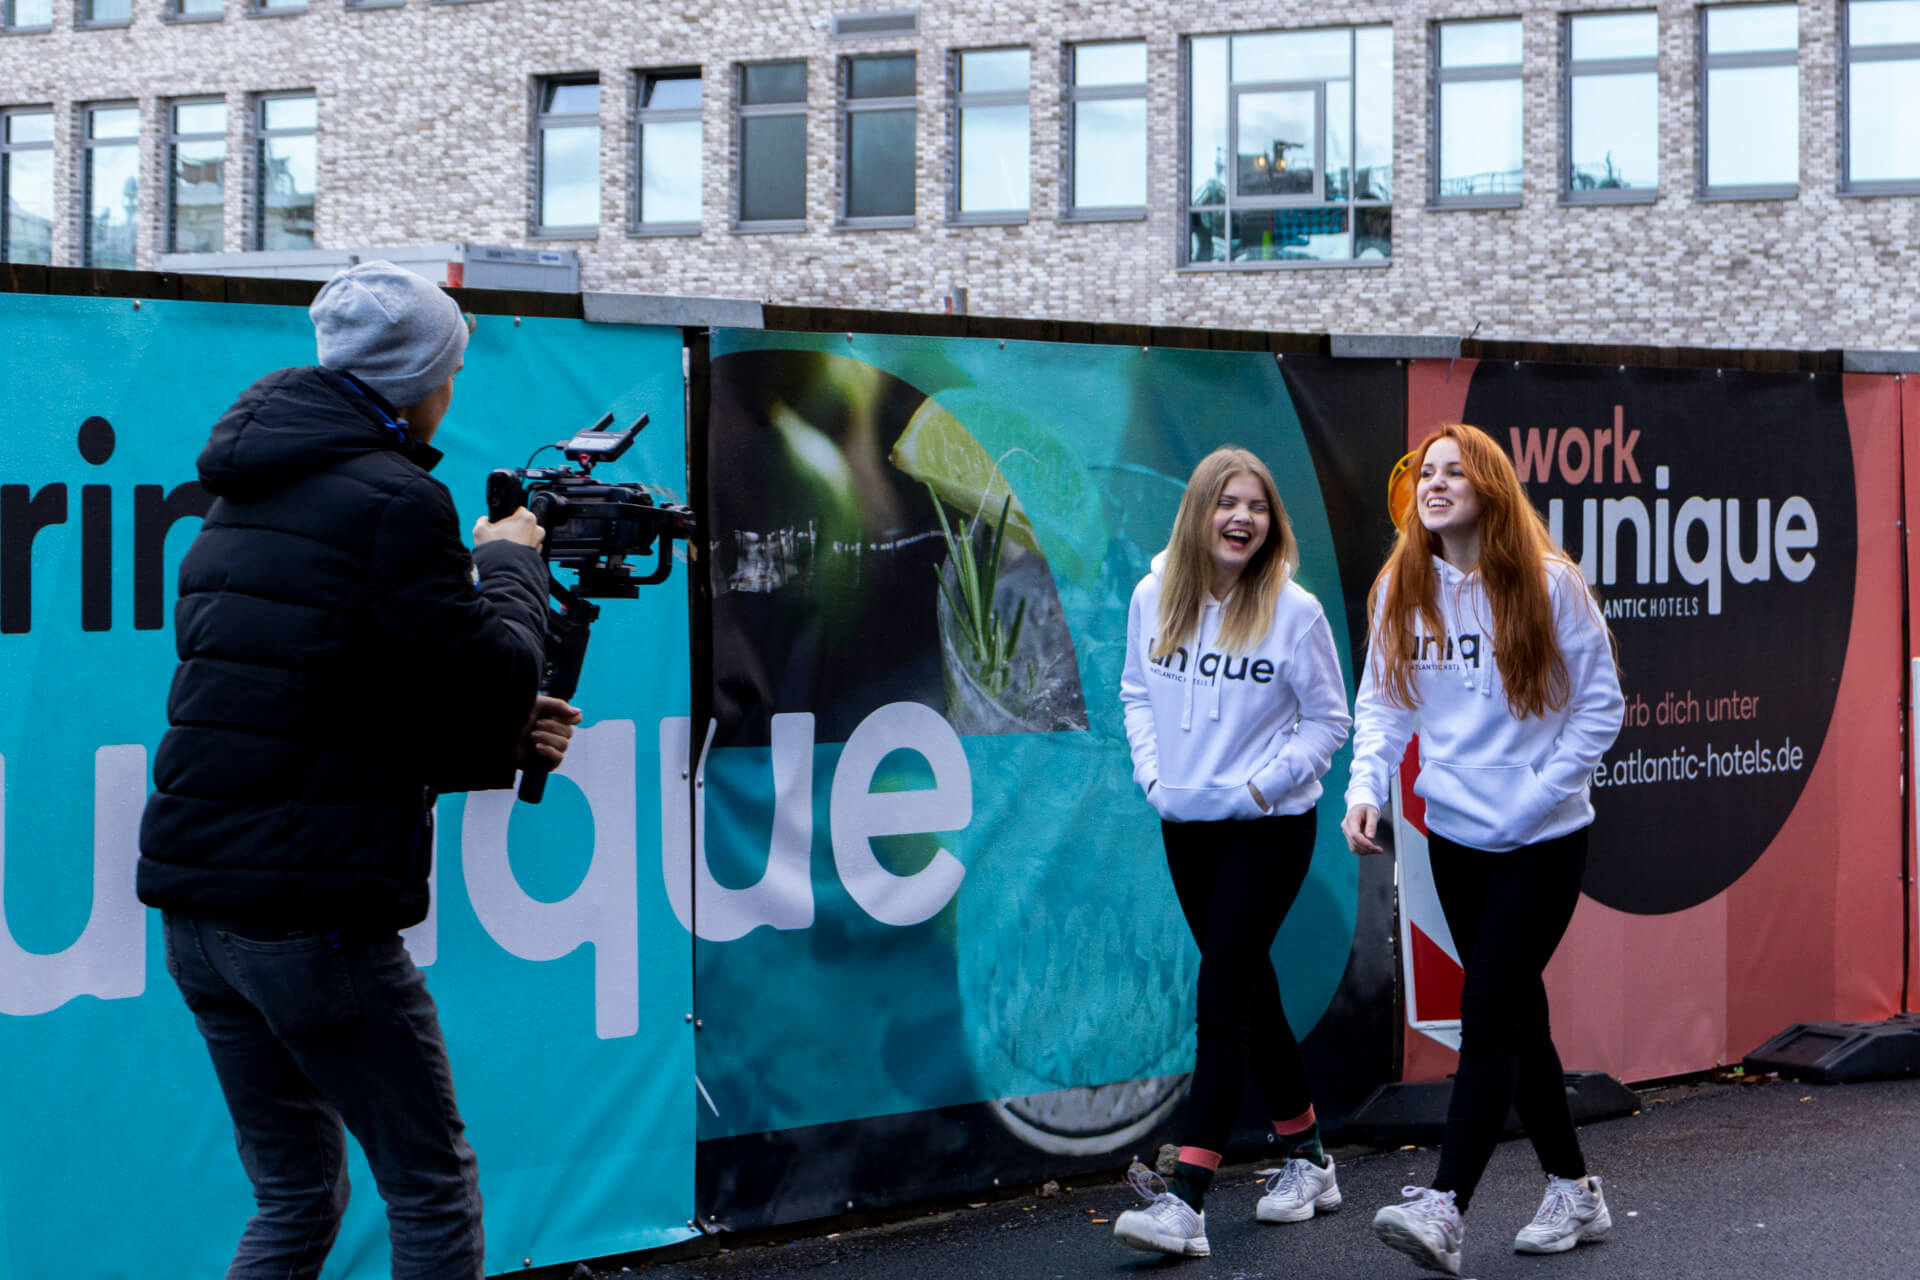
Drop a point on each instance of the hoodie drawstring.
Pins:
(1453, 583)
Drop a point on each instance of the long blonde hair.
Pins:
(1186, 578)
(1515, 547)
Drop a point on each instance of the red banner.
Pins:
(1742, 532)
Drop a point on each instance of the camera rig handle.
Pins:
(568, 629)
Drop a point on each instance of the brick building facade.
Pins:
(428, 119)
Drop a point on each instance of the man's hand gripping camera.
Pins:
(591, 528)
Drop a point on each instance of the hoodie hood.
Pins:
(292, 424)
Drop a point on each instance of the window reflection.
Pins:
(1275, 151)
(1882, 77)
(1308, 119)
(1753, 127)
(670, 171)
(1616, 132)
(1480, 151)
(1883, 100)
(1110, 153)
(993, 159)
(879, 164)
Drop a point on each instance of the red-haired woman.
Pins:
(1487, 641)
(1234, 707)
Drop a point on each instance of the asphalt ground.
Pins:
(1768, 1179)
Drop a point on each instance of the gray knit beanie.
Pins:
(393, 330)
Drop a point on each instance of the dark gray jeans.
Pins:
(310, 1031)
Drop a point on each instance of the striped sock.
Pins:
(1193, 1175)
(1300, 1138)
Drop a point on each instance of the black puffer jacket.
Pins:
(338, 667)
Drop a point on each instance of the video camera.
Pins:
(592, 527)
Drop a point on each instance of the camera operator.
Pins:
(343, 661)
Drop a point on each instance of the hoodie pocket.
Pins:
(1494, 808)
(1205, 804)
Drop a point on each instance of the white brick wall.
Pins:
(425, 137)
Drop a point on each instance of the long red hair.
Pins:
(1515, 552)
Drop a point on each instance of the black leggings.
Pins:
(1507, 912)
(1236, 881)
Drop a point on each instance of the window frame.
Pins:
(257, 125)
(850, 106)
(171, 138)
(88, 145)
(1183, 261)
(8, 149)
(9, 28)
(958, 102)
(1569, 194)
(1072, 94)
(644, 116)
(1844, 107)
(543, 120)
(172, 12)
(1440, 76)
(1709, 62)
(84, 21)
(744, 111)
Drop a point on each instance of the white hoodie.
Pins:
(1203, 724)
(1492, 781)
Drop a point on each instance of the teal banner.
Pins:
(926, 878)
(563, 978)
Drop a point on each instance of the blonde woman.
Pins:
(1235, 704)
(1486, 641)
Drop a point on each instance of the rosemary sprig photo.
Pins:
(992, 642)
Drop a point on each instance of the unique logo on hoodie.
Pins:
(1439, 653)
(26, 513)
(1211, 667)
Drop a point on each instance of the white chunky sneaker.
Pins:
(1167, 1225)
(1299, 1191)
(1568, 1214)
(1427, 1228)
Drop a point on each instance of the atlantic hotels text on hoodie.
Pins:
(1491, 780)
(1202, 723)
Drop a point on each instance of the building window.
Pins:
(991, 138)
(26, 186)
(287, 171)
(877, 141)
(567, 158)
(274, 8)
(195, 10)
(110, 186)
(106, 13)
(1881, 77)
(1477, 114)
(27, 15)
(667, 159)
(1290, 153)
(1107, 130)
(773, 146)
(196, 177)
(1612, 108)
(1750, 101)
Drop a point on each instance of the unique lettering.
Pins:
(603, 910)
(109, 959)
(858, 815)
